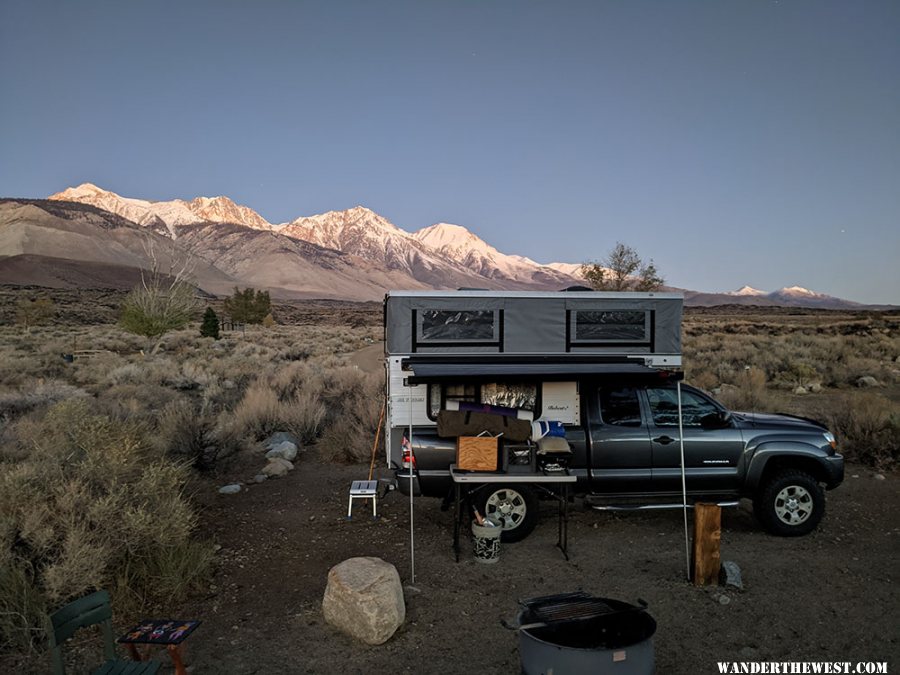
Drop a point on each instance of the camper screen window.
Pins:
(510, 395)
(457, 326)
(616, 326)
(506, 394)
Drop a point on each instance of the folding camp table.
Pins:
(541, 480)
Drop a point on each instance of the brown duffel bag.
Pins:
(454, 423)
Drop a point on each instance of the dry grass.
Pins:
(105, 443)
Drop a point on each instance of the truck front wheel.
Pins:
(515, 506)
(790, 504)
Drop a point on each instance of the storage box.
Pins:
(476, 453)
(519, 458)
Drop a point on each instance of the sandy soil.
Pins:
(829, 596)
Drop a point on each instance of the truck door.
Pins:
(620, 458)
(712, 452)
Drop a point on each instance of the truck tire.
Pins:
(516, 506)
(790, 504)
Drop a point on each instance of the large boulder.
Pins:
(285, 450)
(364, 599)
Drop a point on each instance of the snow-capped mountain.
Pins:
(457, 243)
(362, 232)
(165, 216)
(350, 253)
(747, 291)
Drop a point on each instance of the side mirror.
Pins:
(716, 420)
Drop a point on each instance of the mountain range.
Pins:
(86, 235)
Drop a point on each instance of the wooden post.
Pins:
(707, 534)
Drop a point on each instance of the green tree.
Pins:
(34, 312)
(156, 307)
(622, 270)
(248, 306)
(210, 325)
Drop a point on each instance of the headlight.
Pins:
(829, 437)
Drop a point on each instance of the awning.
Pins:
(430, 370)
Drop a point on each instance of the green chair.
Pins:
(87, 611)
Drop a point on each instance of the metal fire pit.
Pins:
(575, 633)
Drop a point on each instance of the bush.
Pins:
(90, 506)
(353, 399)
(867, 428)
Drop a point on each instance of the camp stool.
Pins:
(363, 489)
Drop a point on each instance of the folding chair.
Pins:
(87, 611)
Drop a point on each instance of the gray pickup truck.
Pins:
(604, 367)
(626, 454)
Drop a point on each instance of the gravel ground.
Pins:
(829, 596)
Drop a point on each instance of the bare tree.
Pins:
(622, 270)
(164, 301)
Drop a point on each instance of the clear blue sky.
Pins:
(733, 142)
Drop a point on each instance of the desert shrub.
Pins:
(867, 427)
(353, 400)
(135, 402)
(35, 394)
(90, 506)
(284, 399)
(748, 391)
(183, 430)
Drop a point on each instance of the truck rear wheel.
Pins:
(790, 504)
(516, 506)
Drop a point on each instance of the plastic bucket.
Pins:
(486, 540)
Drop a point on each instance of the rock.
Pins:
(228, 384)
(724, 600)
(730, 575)
(867, 381)
(280, 437)
(260, 478)
(285, 450)
(232, 489)
(277, 467)
(879, 476)
(364, 598)
(814, 388)
(800, 391)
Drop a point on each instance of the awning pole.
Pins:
(412, 543)
(687, 545)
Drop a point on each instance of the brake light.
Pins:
(408, 459)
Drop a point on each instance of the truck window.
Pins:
(620, 406)
(664, 407)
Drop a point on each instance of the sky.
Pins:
(744, 142)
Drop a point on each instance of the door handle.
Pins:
(664, 440)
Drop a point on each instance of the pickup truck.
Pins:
(605, 367)
(626, 454)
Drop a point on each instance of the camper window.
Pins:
(506, 394)
(632, 326)
(466, 326)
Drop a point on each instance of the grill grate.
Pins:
(571, 609)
